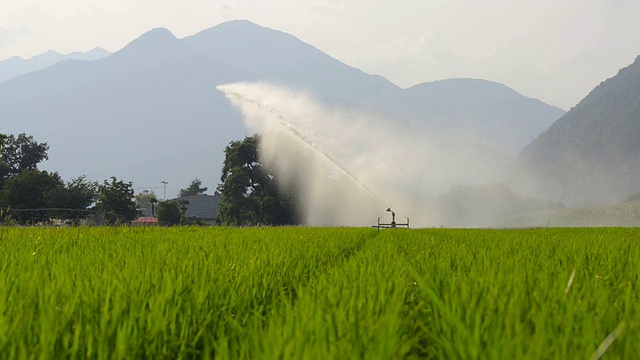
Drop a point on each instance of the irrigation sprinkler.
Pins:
(393, 224)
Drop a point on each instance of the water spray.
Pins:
(276, 113)
(293, 130)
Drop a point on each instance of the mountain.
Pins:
(478, 110)
(148, 113)
(16, 65)
(591, 154)
(278, 57)
(151, 112)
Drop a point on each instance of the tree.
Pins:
(195, 188)
(169, 213)
(77, 194)
(146, 201)
(30, 190)
(117, 197)
(23, 186)
(74, 196)
(249, 195)
(18, 154)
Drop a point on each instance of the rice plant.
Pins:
(325, 293)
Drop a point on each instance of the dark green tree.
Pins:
(249, 195)
(169, 213)
(31, 190)
(24, 187)
(78, 193)
(20, 153)
(195, 188)
(75, 196)
(117, 197)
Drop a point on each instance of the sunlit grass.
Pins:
(292, 293)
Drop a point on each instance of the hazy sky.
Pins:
(553, 50)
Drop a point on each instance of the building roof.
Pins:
(145, 220)
(201, 206)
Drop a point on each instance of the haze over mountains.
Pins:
(151, 112)
(591, 154)
(16, 65)
(478, 110)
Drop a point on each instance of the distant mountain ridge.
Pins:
(276, 56)
(16, 65)
(592, 154)
(151, 112)
(481, 110)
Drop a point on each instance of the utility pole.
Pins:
(165, 189)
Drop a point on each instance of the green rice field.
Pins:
(319, 293)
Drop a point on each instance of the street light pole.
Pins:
(165, 188)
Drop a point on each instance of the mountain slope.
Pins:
(278, 57)
(478, 110)
(148, 113)
(151, 111)
(592, 154)
(16, 66)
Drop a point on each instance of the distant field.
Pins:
(293, 293)
(625, 214)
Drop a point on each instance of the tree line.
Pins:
(28, 195)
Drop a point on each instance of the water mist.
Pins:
(347, 166)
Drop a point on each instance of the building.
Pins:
(201, 208)
(145, 221)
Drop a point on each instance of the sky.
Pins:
(553, 50)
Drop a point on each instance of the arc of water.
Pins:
(293, 130)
